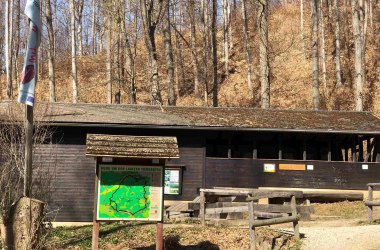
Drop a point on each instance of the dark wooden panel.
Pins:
(73, 176)
(240, 173)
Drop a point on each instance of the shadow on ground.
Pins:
(172, 243)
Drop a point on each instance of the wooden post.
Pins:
(229, 153)
(377, 149)
(95, 223)
(28, 150)
(360, 150)
(254, 148)
(296, 226)
(370, 208)
(202, 210)
(353, 149)
(329, 149)
(252, 231)
(304, 154)
(160, 236)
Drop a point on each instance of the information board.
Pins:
(130, 193)
(172, 181)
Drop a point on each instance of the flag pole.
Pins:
(28, 150)
(28, 84)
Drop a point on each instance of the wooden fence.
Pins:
(294, 216)
(370, 203)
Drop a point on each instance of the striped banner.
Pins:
(29, 72)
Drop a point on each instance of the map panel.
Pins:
(130, 193)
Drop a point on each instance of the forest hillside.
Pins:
(103, 65)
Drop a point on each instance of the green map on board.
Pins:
(125, 193)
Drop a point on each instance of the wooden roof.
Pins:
(145, 147)
(204, 118)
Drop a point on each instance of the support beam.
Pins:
(329, 149)
(304, 153)
(353, 149)
(255, 148)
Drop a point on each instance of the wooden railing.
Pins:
(370, 203)
(294, 216)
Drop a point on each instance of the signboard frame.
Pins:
(127, 166)
(180, 174)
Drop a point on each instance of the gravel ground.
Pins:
(339, 234)
(351, 237)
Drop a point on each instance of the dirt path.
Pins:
(340, 234)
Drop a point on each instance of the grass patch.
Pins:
(345, 209)
(141, 236)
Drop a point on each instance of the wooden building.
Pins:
(225, 147)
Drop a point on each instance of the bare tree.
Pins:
(247, 47)
(357, 18)
(214, 54)
(73, 52)
(193, 42)
(151, 13)
(9, 45)
(50, 30)
(107, 6)
(262, 24)
(302, 27)
(93, 30)
(314, 52)
(131, 53)
(78, 17)
(322, 51)
(226, 34)
(206, 50)
(169, 55)
(337, 45)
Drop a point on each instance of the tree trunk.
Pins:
(191, 13)
(247, 48)
(206, 51)
(130, 58)
(214, 55)
(314, 52)
(79, 15)
(322, 56)
(150, 15)
(347, 40)
(357, 13)
(262, 23)
(22, 230)
(337, 45)
(226, 36)
(302, 28)
(93, 30)
(8, 45)
(109, 53)
(16, 45)
(169, 55)
(49, 26)
(73, 53)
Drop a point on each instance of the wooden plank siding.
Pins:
(248, 173)
(72, 181)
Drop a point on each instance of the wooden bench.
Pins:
(370, 203)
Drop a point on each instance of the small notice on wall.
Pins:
(292, 167)
(310, 167)
(269, 167)
(365, 166)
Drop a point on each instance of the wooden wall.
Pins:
(73, 174)
(72, 181)
(248, 173)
